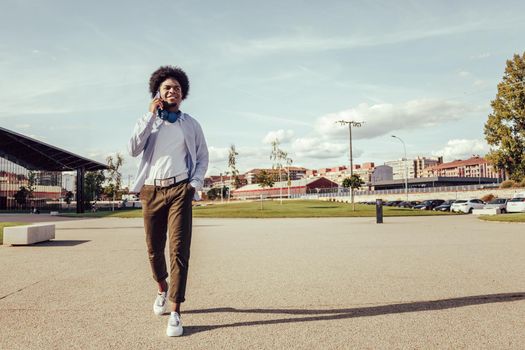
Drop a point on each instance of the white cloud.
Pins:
(479, 83)
(481, 56)
(284, 136)
(23, 126)
(381, 119)
(247, 158)
(272, 118)
(315, 147)
(464, 74)
(218, 154)
(308, 43)
(462, 149)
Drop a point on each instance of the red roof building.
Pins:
(473, 167)
(303, 186)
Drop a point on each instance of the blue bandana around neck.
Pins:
(168, 116)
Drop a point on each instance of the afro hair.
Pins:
(167, 72)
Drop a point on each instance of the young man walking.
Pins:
(172, 168)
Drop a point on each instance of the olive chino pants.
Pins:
(168, 215)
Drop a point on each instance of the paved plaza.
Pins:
(345, 283)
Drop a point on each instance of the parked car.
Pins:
(445, 206)
(410, 204)
(392, 203)
(516, 205)
(466, 206)
(497, 203)
(429, 204)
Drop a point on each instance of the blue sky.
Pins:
(75, 74)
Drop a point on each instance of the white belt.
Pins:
(169, 181)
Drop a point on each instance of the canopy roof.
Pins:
(36, 155)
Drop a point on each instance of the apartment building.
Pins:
(338, 173)
(414, 167)
(475, 166)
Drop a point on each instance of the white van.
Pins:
(130, 197)
(517, 203)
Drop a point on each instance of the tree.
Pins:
(505, 127)
(278, 156)
(265, 180)
(212, 194)
(109, 190)
(215, 193)
(31, 184)
(353, 182)
(289, 162)
(21, 196)
(93, 181)
(232, 161)
(115, 177)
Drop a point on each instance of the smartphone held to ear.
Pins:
(163, 112)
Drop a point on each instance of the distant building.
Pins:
(421, 163)
(46, 186)
(224, 180)
(475, 166)
(69, 181)
(338, 173)
(382, 173)
(303, 186)
(414, 167)
(364, 171)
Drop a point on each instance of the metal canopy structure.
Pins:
(36, 155)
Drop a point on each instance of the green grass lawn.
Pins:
(273, 209)
(513, 217)
(7, 224)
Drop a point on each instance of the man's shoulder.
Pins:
(191, 120)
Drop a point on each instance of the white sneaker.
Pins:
(161, 304)
(174, 325)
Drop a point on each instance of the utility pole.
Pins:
(351, 123)
(222, 189)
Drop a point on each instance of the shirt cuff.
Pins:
(194, 184)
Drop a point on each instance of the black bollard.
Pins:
(379, 211)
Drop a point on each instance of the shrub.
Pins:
(522, 183)
(487, 198)
(507, 184)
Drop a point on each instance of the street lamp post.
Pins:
(357, 125)
(222, 189)
(406, 165)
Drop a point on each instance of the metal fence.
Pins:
(343, 192)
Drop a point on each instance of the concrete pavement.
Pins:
(419, 283)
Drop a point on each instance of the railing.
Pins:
(343, 192)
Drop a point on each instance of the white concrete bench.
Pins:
(24, 235)
(53, 213)
(493, 211)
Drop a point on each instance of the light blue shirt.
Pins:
(143, 141)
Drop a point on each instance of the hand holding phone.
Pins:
(156, 103)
